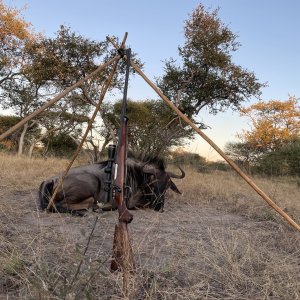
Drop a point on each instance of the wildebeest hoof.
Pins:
(78, 213)
(105, 206)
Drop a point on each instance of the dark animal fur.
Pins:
(141, 173)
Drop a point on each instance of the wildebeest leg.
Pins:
(96, 203)
(63, 208)
(82, 205)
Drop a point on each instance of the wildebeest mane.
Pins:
(142, 158)
(156, 161)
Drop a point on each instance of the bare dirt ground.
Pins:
(188, 252)
(216, 241)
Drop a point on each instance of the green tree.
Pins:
(63, 60)
(68, 57)
(55, 64)
(59, 145)
(206, 76)
(243, 154)
(58, 123)
(22, 96)
(153, 128)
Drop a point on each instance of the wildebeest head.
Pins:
(156, 182)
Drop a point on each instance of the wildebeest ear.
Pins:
(174, 187)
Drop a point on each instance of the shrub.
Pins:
(285, 161)
(192, 159)
(60, 145)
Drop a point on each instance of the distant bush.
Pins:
(10, 143)
(187, 158)
(60, 145)
(218, 165)
(285, 161)
(6, 122)
(197, 162)
(6, 145)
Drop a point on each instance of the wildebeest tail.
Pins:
(45, 192)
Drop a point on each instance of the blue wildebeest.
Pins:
(84, 186)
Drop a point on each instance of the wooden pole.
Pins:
(90, 124)
(56, 98)
(229, 161)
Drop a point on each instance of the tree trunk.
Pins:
(35, 141)
(31, 149)
(22, 138)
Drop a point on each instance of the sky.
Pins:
(268, 31)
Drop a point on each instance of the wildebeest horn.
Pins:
(172, 175)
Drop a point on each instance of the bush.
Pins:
(11, 142)
(60, 145)
(218, 165)
(285, 161)
(194, 160)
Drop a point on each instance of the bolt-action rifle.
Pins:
(122, 253)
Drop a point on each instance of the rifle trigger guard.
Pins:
(117, 189)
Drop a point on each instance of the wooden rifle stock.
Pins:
(119, 190)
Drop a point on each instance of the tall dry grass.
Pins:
(25, 173)
(216, 241)
(228, 191)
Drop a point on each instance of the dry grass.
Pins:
(217, 241)
(230, 192)
(24, 173)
